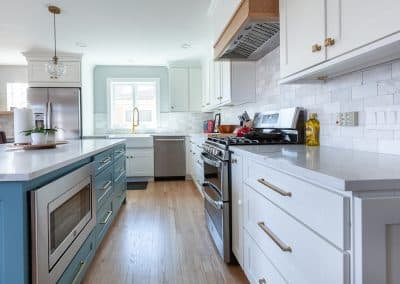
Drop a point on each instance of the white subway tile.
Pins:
(388, 87)
(380, 134)
(341, 95)
(362, 91)
(331, 107)
(380, 118)
(377, 73)
(351, 131)
(389, 146)
(354, 105)
(396, 69)
(378, 101)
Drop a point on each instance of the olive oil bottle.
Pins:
(312, 131)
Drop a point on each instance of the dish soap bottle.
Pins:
(312, 131)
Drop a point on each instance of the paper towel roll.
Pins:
(23, 120)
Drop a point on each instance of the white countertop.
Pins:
(332, 167)
(21, 165)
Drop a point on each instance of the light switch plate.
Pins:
(347, 118)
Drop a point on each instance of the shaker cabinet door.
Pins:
(302, 34)
(352, 24)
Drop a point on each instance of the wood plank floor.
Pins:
(160, 237)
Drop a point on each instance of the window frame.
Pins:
(110, 81)
(7, 103)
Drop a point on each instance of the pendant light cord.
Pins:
(55, 35)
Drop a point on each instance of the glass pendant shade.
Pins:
(55, 68)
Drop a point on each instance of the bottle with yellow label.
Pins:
(312, 131)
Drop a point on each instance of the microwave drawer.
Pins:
(257, 266)
(326, 212)
(300, 255)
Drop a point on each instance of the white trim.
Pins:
(132, 80)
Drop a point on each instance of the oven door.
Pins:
(63, 216)
(216, 172)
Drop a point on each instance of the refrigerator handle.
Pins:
(49, 114)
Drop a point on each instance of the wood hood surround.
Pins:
(248, 11)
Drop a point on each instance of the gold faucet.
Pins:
(135, 124)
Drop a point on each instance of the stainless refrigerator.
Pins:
(57, 108)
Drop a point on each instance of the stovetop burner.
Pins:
(230, 141)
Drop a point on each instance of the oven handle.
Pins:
(216, 203)
(209, 161)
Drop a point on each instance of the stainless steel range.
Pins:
(276, 127)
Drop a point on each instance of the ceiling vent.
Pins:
(252, 32)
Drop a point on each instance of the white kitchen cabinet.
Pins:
(38, 76)
(194, 157)
(139, 162)
(195, 89)
(185, 89)
(230, 83)
(179, 89)
(237, 207)
(302, 34)
(336, 37)
(354, 23)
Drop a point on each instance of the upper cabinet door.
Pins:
(195, 89)
(225, 82)
(354, 23)
(302, 34)
(179, 89)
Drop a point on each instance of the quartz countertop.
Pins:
(337, 168)
(21, 165)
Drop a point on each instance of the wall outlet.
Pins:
(347, 118)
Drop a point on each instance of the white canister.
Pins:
(38, 138)
(23, 120)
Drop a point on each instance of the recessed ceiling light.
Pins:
(80, 44)
(186, 45)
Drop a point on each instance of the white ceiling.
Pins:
(131, 32)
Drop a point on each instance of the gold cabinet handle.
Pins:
(329, 41)
(274, 238)
(316, 47)
(262, 281)
(274, 188)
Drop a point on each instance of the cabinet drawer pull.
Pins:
(105, 162)
(262, 281)
(274, 238)
(81, 267)
(120, 175)
(274, 188)
(329, 41)
(316, 47)
(107, 217)
(107, 185)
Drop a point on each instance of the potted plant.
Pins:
(38, 135)
(51, 135)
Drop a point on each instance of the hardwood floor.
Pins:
(160, 237)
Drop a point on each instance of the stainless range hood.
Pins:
(252, 32)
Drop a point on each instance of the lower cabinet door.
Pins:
(80, 263)
(258, 268)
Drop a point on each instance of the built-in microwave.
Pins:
(63, 214)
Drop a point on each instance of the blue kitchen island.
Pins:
(56, 206)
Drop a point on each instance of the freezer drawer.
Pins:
(169, 156)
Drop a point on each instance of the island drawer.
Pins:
(119, 169)
(300, 255)
(257, 267)
(324, 211)
(119, 151)
(103, 160)
(104, 186)
(80, 263)
(104, 219)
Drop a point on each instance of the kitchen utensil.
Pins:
(246, 116)
(241, 132)
(217, 122)
(226, 128)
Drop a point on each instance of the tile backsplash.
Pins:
(185, 122)
(373, 92)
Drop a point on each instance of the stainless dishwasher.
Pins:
(169, 157)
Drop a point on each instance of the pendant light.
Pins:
(54, 67)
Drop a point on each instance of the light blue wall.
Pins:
(101, 73)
